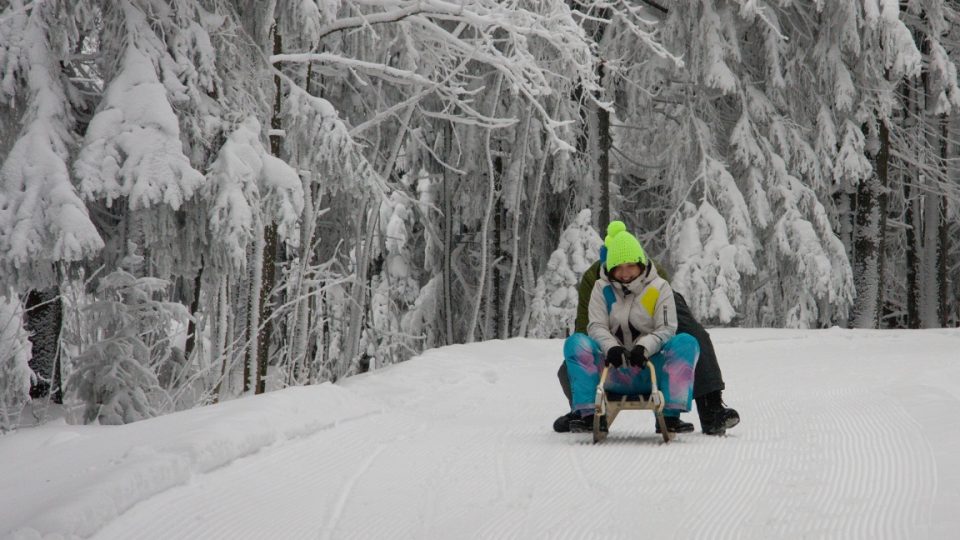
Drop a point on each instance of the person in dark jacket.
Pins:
(715, 417)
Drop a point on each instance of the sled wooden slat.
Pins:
(605, 407)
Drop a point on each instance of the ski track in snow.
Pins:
(831, 445)
(331, 526)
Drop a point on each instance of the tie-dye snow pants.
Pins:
(674, 364)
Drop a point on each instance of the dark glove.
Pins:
(638, 357)
(615, 356)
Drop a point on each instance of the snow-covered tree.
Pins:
(132, 157)
(15, 373)
(247, 186)
(426, 70)
(554, 306)
(248, 189)
(43, 222)
(116, 375)
(741, 157)
(396, 288)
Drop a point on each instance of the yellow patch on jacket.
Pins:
(649, 299)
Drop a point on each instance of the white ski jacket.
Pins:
(642, 312)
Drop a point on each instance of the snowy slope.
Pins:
(852, 434)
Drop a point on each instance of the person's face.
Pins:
(626, 272)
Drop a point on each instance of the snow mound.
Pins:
(100, 472)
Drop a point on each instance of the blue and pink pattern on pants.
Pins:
(674, 364)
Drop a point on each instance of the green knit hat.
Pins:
(622, 247)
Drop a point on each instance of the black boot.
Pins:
(715, 417)
(583, 424)
(562, 424)
(676, 425)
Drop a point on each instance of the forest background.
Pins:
(205, 198)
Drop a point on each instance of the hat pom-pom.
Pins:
(615, 228)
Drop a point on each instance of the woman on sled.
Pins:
(632, 321)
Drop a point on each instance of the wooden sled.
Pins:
(608, 405)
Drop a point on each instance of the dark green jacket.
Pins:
(583, 297)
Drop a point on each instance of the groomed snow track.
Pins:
(845, 434)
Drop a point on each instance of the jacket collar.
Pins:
(635, 286)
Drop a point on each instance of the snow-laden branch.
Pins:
(448, 37)
(647, 38)
(13, 12)
(384, 17)
(319, 140)
(247, 186)
(412, 100)
(399, 76)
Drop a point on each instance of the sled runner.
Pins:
(609, 404)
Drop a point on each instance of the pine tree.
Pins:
(116, 375)
(43, 223)
(132, 154)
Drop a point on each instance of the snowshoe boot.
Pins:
(676, 425)
(715, 417)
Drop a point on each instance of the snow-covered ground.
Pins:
(847, 434)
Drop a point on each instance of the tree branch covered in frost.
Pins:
(485, 32)
(318, 141)
(243, 181)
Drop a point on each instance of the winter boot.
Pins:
(675, 425)
(584, 424)
(562, 424)
(715, 417)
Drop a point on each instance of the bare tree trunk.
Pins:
(269, 248)
(194, 309)
(43, 319)
(911, 225)
(220, 343)
(518, 200)
(484, 229)
(250, 371)
(912, 258)
(929, 284)
(846, 217)
(870, 239)
(299, 326)
(447, 242)
(603, 161)
(929, 236)
(529, 274)
(883, 173)
(265, 331)
(944, 253)
(484, 235)
(599, 126)
(319, 358)
(498, 255)
(358, 293)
